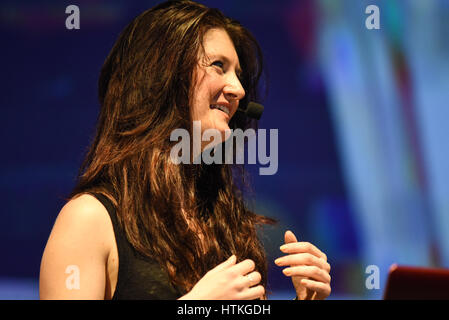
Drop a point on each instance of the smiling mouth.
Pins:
(220, 107)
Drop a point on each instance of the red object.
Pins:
(417, 283)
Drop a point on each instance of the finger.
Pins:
(290, 237)
(252, 293)
(308, 271)
(226, 264)
(298, 247)
(253, 278)
(244, 267)
(302, 259)
(323, 290)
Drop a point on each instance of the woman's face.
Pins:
(217, 88)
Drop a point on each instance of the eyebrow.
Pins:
(226, 60)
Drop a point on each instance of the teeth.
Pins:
(220, 107)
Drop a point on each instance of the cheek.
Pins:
(207, 91)
(210, 83)
(199, 103)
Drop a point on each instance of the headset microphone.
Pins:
(253, 110)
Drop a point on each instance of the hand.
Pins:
(308, 268)
(228, 281)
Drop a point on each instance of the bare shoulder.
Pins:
(83, 219)
(81, 236)
(84, 206)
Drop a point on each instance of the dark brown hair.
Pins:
(144, 90)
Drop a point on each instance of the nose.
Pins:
(233, 89)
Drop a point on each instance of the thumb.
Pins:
(290, 237)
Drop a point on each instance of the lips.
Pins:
(220, 107)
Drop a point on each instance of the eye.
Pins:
(219, 64)
(240, 76)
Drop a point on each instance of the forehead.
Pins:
(217, 43)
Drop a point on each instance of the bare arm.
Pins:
(74, 262)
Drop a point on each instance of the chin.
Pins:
(222, 130)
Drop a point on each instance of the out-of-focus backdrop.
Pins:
(362, 117)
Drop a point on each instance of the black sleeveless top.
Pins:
(139, 278)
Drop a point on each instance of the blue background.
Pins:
(361, 115)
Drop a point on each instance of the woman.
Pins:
(137, 225)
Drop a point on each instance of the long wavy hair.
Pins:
(144, 90)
